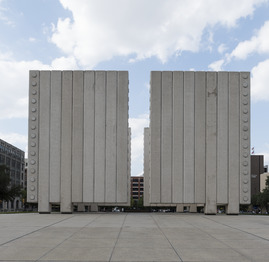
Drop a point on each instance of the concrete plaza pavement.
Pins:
(133, 237)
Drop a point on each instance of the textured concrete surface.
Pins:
(199, 140)
(78, 139)
(133, 237)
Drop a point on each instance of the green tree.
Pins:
(7, 191)
(262, 198)
(140, 203)
(23, 196)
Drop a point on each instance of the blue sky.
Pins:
(134, 35)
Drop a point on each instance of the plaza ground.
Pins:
(133, 237)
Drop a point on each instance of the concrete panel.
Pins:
(66, 142)
(189, 194)
(33, 137)
(211, 143)
(155, 133)
(245, 178)
(122, 137)
(88, 157)
(178, 116)
(234, 143)
(77, 137)
(167, 135)
(44, 139)
(100, 134)
(146, 167)
(55, 136)
(222, 140)
(111, 137)
(200, 120)
(129, 163)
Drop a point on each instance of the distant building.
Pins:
(257, 168)
(263, 178)
(13, 158)
(137, 187)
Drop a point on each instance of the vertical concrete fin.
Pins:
(44, 142)
(178, 130)
(33, 137)
(66, 142)
(55, 136)
(77, 137)
(167, 135)
(88, 158)
(155, 133)
(211, 143)
(222, 138)
(122, 137)
(146, 166)
(245, 179)
(100, 132)
(129, 163)
(189, 107)
(234, 142)
(111, 136)
(200, 130)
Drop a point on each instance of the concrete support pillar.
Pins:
(66, 141)
(55, 136)
(178, 138)
(94, 208)
(146, 166)
(222, 137)
(44, 138)
(193, 208)
(166, 137)
(211, 144)
(180, 208)
(234, 143)
(81, 207)
(189, 138)
(155, 133)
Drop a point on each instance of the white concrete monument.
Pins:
(198, 144)
(79, 141)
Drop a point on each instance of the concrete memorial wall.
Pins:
(79, 141)
(197, 147)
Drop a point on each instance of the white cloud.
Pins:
(14, 87)
(103, 29)
(259, 81)
(15, 82)
(3, 16)
(32, 39)
(217, 65)
(137, 144)
(259, 43)
(64, 63)
(222, 48)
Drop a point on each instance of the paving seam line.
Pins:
(166, 237)
(118, 237)
(68, 237)
(236, 250)
(266, 239)
(34, 231)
